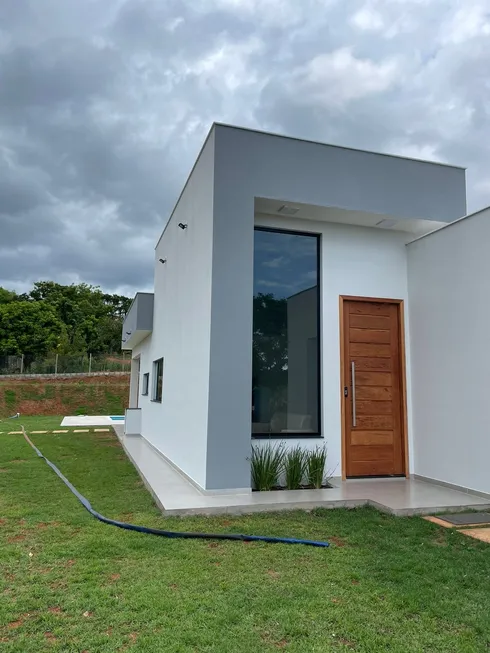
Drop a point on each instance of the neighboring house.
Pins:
(298, 296)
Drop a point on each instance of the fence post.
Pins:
(90, 363)
(22, 364)
(56, 365)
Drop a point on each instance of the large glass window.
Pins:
(286, 334)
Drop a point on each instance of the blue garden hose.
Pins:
(172, 534)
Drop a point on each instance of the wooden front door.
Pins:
(372, 389)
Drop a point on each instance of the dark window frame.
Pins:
(154, 390)
(301, 434)
(145, 384)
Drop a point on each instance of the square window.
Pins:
(157, 380)
(146, 383)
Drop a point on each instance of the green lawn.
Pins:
(39, 423)
(73, 584)
(32, 423)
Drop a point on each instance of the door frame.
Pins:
(403, 374)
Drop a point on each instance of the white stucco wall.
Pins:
(449, 289)
(354, 261)
(181, 327)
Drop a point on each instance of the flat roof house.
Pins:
(312, 293)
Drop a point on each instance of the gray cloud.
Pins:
(104, 106)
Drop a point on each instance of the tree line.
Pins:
(78, 319)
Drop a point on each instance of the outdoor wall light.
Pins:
(162, 260)
(182, 225)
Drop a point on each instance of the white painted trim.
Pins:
(450, 224)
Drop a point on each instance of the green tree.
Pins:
(93, 319)
(270, 345)
(29, 328)
(7, 296)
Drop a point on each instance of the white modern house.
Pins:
(311, 293)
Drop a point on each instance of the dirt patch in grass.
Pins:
(337, 541)
(273, 574)
(346, 642)
(440, 538)
(97, 395)
(16, 538)
(13, 625)
(278, 643)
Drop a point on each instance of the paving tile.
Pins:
(39, 431)
(399, 496)
(467, 518)
(60, 431)
(101, 430)
(81, 430)
(482, 534)
(439, 521)
(15, 433)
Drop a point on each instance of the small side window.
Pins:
(146, 383)
(157, 380)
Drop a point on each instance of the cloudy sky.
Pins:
(104, 105)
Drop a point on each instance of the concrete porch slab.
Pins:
(176, 495)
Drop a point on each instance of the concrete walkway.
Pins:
(176, 495)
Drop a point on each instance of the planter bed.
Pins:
(325, 486)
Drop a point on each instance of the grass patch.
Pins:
(386, 584)
(9, 399)
(33, 423)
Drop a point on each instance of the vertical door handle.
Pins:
(353, 372)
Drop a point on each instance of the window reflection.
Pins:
(285, 376)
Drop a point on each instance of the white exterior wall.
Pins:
(354, 261)
(449, 288)
(181, 327)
